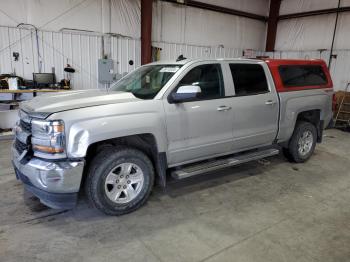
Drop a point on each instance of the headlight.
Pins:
(48, 137)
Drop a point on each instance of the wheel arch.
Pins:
(145, 142)
(312, 116)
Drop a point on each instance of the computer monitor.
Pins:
(43, 79)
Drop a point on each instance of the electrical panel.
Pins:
(105, 71)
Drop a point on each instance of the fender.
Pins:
(86, 126)
(87, 132)
(294, 103)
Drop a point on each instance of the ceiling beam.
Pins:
(146, 31)
(219, 9)
(315, 12)
(272, 25)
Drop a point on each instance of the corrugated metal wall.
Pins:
(170, 51)
(56, 49)
(122, 51)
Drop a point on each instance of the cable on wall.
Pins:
(333, 38)
(37, 43)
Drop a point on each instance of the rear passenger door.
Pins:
(255, 106)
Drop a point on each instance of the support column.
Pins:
(272, 25)
(146, 31)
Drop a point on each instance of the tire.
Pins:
(287, 154)
(107, 185)
(302, 143)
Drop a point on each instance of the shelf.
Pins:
(18, 91)
(9, 101)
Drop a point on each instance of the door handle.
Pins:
(270, 102)
(224, 108)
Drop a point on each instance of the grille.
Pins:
(26, 126)
(20, 147)
(23, 134)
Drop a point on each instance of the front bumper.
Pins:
(55, 183)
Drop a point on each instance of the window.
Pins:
(208, 78)
(302, 75)
(249, 79)
(146, 81)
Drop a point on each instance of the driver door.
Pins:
(203, 127)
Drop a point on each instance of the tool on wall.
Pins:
(156, 53)
(15, 56)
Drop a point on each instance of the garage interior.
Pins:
(265, 210)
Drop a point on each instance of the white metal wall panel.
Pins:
(103, 16)
(315, 32)
(297, 6)
(342, 37)
(260, 7)
(13, 12)
(122, 51)
(308, 33)
(126, 17)
(187, 25)
(171, 51)
(340, 69)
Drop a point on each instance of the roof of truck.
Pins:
(187, 60)
(274, 66)
(266, 60)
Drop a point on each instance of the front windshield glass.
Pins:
(146, 81)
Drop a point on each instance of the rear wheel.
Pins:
(119, 180)
(303, 142)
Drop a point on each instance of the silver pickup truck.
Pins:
(165, 119)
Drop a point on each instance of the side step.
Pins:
(197, 169)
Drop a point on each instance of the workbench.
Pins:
(9, 101)
(34, 91)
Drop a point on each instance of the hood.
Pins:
(62, 101)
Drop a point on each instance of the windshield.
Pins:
(146, 81)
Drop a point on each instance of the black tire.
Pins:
(287, 154)
(101, 166)
(292, 153)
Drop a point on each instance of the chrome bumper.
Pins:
(52, 177)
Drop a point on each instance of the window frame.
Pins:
(304, 85)
(251, 94)
(193, 66)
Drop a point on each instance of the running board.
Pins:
(197, 169)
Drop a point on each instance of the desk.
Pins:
(34, 91)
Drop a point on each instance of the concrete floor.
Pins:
(262, 211)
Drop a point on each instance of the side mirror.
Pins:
(184, 93)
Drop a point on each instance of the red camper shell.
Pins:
(296, 75)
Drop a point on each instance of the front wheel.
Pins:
(119, 180)
(303, 142)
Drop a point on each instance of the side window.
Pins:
(208, 78)
(307, 75)
(249, 79)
